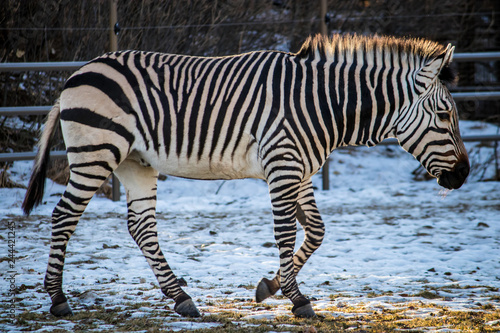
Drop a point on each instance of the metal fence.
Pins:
(74, 65)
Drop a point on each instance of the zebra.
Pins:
(269, 115)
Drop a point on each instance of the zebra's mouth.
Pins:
(454, 179)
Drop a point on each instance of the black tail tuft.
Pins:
(34, 194)
(36, 187)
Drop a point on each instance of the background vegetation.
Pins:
(64, 30)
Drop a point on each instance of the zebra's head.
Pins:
(428, 128)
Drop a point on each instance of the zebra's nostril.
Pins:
(454, 179)
(462, 169)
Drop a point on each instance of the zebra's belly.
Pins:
(237, 167)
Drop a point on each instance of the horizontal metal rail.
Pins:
(41, 66)
(325, 170)
(43, 110)
(24, 110)
(482, 138)
(469, 138)
(476, 56)
(26, 156)
(74, 65)
(476, 95)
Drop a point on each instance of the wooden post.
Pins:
(325, 175)
(113, 46)
(113, 19)
(322, 16)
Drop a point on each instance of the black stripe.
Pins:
(302, 123)
(434, 158)
(390, 91)
(151, 120)
(324, 110)
(378, 83)
(366, 112)
(220, 111)
(238, 106)
(108, 86)
(208, 108)
(351, 96)
(260, 85)
(83, 187)
(102, 164)
(165, 106)
(337, 109)
(89, 118)
(91, 176)
(141, 199)
(221, 114)
(248, 112)
(132, 81)
(195, 110)
(292, 88)
(315, 132)
(273, 112)
(65, 205)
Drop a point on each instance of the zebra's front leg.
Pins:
(314, 230)
(284, 201)
(140, 184)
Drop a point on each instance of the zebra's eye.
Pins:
(445, 116)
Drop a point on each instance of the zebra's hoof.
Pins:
(304, 311)
(265, 288)
(262, 291)
(187, 309)
(61, 309)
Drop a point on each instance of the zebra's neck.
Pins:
(358, 96)
(365, 84)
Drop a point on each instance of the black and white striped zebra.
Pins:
(270, 115)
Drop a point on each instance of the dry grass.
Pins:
(231, 316)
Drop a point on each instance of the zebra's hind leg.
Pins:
(65, 217)
(140, 185)
(314, 229)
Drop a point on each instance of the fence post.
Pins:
(113, 46)
(325, 175)
(322, 17)
(113, 21)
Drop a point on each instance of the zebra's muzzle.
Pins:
(452, 180)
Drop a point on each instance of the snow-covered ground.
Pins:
(389, 238)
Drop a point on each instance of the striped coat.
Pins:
(269, 115)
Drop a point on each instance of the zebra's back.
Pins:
(194, 117)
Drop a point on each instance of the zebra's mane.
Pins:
(325, 48)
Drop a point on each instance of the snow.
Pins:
(389, 238)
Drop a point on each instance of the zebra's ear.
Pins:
(448, 54)
(432, 68)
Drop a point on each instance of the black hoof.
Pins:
(61, 309)
(265, 288)
(304, 311)
(187, 309)
(262, 291)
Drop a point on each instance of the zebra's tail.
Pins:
(34, 194)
